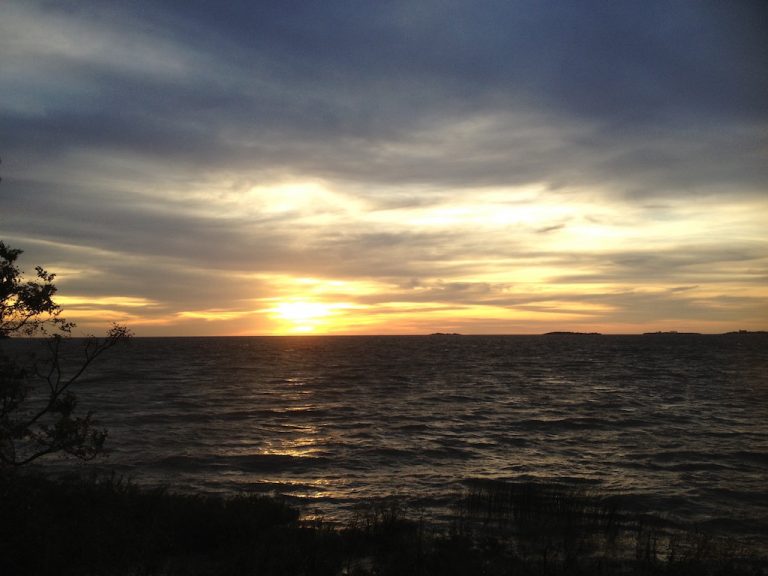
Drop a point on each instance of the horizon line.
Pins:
(433, 334)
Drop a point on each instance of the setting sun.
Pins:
(305, 316)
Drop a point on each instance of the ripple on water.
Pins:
(677, 424)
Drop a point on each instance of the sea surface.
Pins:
(676, 424)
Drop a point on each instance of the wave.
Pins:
(373, 416)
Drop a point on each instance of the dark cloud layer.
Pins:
(240, 83)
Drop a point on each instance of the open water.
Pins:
(678, 424)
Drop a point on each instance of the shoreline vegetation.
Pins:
(106, 525)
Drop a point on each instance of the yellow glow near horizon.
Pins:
(524, 260)
(328, 286)
(116, 301)
(307, 315)
(212, 315)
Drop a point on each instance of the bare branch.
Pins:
(32, 427)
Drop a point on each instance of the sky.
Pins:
(388, 167)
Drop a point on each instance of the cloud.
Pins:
(500, 93)
(478, 148)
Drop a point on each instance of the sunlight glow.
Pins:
(116, 301)
(308, 316)
(300, 198)
(302, 311)
(212, 315)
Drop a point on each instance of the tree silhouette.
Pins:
(36, 424)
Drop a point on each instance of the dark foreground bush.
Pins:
(113, 527)
(551, 529)
(109, 527)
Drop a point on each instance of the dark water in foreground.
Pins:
(679, 424)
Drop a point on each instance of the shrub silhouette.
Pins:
(38, 408)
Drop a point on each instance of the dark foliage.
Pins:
(112, 527)
(38, 408)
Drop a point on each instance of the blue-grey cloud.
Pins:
(643, 92)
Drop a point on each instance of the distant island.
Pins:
(572, 334)
(672, 333)
(746, 332)
(445, 334)
(676, 333)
